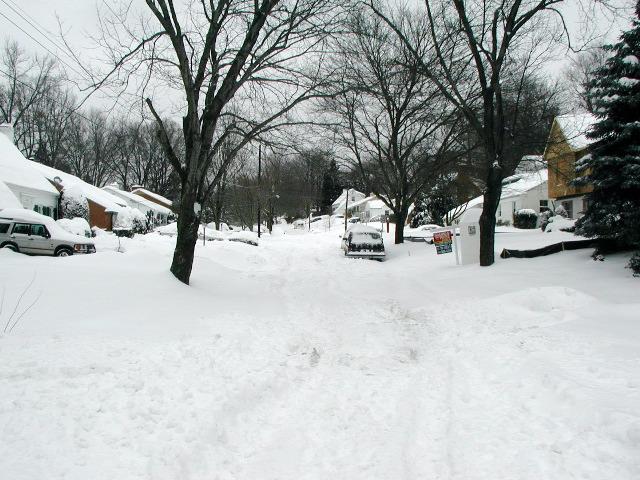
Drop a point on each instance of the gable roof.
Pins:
(16, 170)
(7, 198)
(512, 186)
(111, 203)
(132, 199)
(575, 129)
(155, 196)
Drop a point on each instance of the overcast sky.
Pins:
(34, 25)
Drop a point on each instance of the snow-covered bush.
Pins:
(130, 221)
(73, 203)
(525, 218)
(544, 219)
(560, 224)
(77, 226)
(634, 265)
(560, 211)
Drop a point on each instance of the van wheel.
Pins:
(64, 252)
(11, 246)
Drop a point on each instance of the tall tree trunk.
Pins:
(188, 224)
(488, 216)
(401, 219)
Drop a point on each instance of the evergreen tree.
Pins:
(613, 167)
(331, 186)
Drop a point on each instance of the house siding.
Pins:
(561, 159)
(98, 217)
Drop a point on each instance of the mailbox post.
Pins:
(470, 236)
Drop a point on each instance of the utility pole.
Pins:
(259, 185)
(346, 209)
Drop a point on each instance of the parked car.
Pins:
(29, 232)
(423, 233)
(362, 241)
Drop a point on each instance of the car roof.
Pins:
(358, 228)
(23, 215)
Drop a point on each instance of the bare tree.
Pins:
(482, 46)
(394, 122)
(216, 53)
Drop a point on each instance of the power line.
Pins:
(43, 46)
(33, 23)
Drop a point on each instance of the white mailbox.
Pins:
(470, 236)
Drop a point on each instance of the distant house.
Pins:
(342, 202)
(159, 212)
(152, 196)
(567, 144)
(368, 208)
(22, 184)
(526, 190)
(103, 207)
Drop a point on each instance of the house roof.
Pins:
(339, 203)
(512, 186)
(7, 198)
(153, 195)
(575, 127)
(110, 202)
(132, 199)
(16, 170)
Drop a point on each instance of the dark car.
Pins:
(362, 241)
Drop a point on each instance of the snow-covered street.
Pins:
(290, 361)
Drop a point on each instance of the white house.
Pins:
(342, 202)
(147, 207)
(103, 206)
(27, 185)
(523, 190)
(368, 208)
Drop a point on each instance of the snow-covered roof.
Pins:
(360, 202)
(512, 186)
(575, 128)
(134, 199)
(153, 195)
(339, 203)
(110, 202)
(16, 170)
(522, 183)
(7, 198)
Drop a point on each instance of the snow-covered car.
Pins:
(423, 233)
(362, 241)
(29, 232)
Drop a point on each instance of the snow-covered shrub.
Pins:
(560, 224)
(634, 265)
(77, 226)
(73, 203)
(560, 211)
(525, 218)
(130, 221)
(544, 219)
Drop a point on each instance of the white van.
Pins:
(34, 234)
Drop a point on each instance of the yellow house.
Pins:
(566, 145)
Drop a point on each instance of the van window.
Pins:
(21, 228)
(4, 227)
(39, 230)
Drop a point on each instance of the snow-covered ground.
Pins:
(290, 361)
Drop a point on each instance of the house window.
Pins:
(36, 208)
(568, 206)
(46, 211)
(585, 204)
(544, 206)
